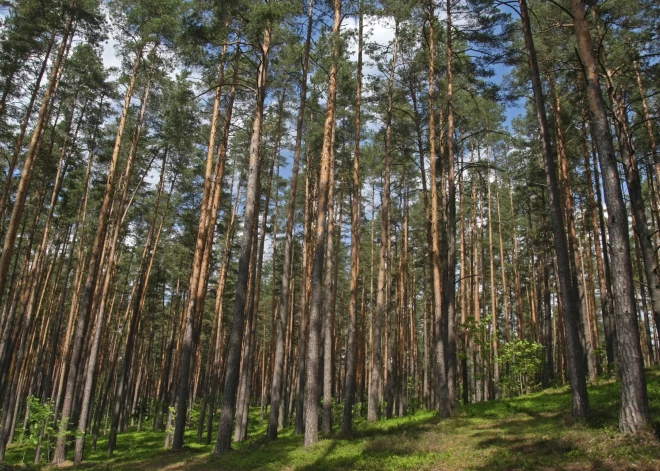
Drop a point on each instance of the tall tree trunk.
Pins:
(567, 292)
(304, 298)
(449, 299)
(494, 295)
(601, 252)
(573, 243)
(276, 384)
(199, 272)
(516, 267)
(382, 306)
(232, 368)
(219, 313)
(142, 283)
(242, 415)
(505, 289)
(315, 315)
(634, 412)
(112, 261)
(440, 346)
(351, 354)
(328, 294)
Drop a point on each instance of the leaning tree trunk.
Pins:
(30, 159)
(86, 302)
(19, 141)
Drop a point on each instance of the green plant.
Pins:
(521, 363)
(39, 425)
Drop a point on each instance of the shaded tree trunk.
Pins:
(567, 292)
(634, 412)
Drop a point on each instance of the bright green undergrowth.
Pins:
(531, 432)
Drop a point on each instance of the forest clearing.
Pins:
(340, 234)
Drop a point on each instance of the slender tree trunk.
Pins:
(573, 243)
(382, 307)
(112, 261)
(603, 277)
(494, 295)
(315, 315)
(505, 288)
(199, 272)
(242, 415)
(305, 285)
(328, 295)
(449, 300)
(440, 346)
(232, 368)
(148, 255)
(351, 354)
(276, 384)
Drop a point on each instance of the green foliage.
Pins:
(521, 362)
(534, 432)
(40, 425)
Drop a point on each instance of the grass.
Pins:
(532, 432)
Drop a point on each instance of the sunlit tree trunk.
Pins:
(232, 368)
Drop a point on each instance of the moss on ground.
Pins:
(532, 432)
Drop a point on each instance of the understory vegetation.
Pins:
(531, 432)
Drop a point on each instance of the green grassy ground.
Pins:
(533, 432)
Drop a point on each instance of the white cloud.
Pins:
(109, 54)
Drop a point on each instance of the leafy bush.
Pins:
(40, 425)
(521, 362)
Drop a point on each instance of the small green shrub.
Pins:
(40, 426)
(521, 362)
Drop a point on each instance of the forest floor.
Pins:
(531, 432)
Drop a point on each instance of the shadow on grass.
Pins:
(539, 454)
(535, 432)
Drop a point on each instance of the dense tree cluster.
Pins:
(320, 209)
